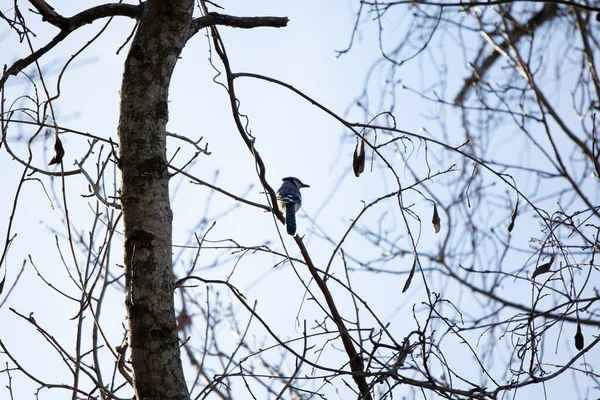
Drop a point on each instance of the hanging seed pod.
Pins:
(513, 216)
(358, 160)
(436, 219)
(579, 338)
(59, 152)
(542, 269)
(410, 276)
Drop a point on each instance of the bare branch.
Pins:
(213, 18)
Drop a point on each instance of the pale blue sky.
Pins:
(294, 138)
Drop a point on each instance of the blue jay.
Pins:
(290, 201)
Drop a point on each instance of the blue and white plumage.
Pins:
(290, 200)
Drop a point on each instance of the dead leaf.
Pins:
(436, 219)
(579, 338)
(59, 152)
(358, 160)
(542, 269)
(513, 216)
(410, 276)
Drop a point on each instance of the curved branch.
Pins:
(355, 359)
(86, 16)
(67, 25)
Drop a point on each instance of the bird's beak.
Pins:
(305, 185)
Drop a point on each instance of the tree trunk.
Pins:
(160, 37)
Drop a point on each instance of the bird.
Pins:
(290, 200)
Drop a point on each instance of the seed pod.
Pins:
(513, 216)
(410, 276)
(59, 152)
(579, 338)
(358, 160)
(436, 219)
(542, 269)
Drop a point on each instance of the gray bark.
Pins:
(161, 35)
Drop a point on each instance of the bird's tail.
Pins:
(290, 219)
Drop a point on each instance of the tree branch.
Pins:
(214, 18)
(67, 25)
(486, 3)
(85, 17)
(547, 13)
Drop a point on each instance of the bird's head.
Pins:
(297, 182)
